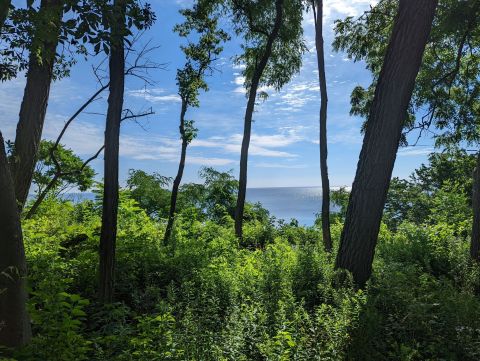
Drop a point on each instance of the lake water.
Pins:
(301, 203)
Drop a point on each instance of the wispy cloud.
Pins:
(346, 7)
(183, 3)
(156, 95)
(279, 165)
(260, 145)
(412, 151)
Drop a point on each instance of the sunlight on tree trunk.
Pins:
(35, 99)
(384, 128)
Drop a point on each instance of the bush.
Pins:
(205, 297)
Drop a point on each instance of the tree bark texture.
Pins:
(384, 127)
(35, 98)
(475, 241)
(318, 14)
(108, 233)
(15, 328)
(242, 188)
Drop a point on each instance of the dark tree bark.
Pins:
(14, 321)
(475, 241)
(35, 100)
(112, 139)
(384, 127)
(4, 8)
(318, 15)
(242, 188)
(178, 178)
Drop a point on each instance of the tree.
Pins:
(317, 6)
(35, 97)
(39, 33)
(215, 198)
(120, 17)
(340, 200)
(272, 55)
(149, 192)
(191, 79)
(57, 169)
(448, 85)
(15, 328)
(220, 190)
(112, 139)
(382, 136)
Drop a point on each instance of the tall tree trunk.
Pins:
(475, 241)
(318, 15)
(112, 139)
(384, 127)
(4, 8)
(35, 98)
(242, 187)
(178, 178)
(14, 321)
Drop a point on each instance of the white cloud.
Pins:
(163, 149)
(346, 7)
(156, 95)
(184, 3)
(209, 161)
(239, 80)
(260, 145)
(279, 165)
(239, 66)
(412, 151)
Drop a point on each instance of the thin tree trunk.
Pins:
(318, 15)
(178, 178)
(112, 139)
(242, 188)
(384, 127)
(4, 9)
(475, 241)
(35, 100)
(15, 328)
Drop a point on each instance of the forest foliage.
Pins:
(276, 296)
(166, 270)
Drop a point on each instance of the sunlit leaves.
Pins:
(202, 22)
(254, 20)
(84, 28)
(447, 91)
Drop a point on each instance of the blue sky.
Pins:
(284, 147)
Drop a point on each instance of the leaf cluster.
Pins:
(72, 169)
(446, 94)
(254, 21)
(79, 26)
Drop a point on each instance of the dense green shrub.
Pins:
(274, 296)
